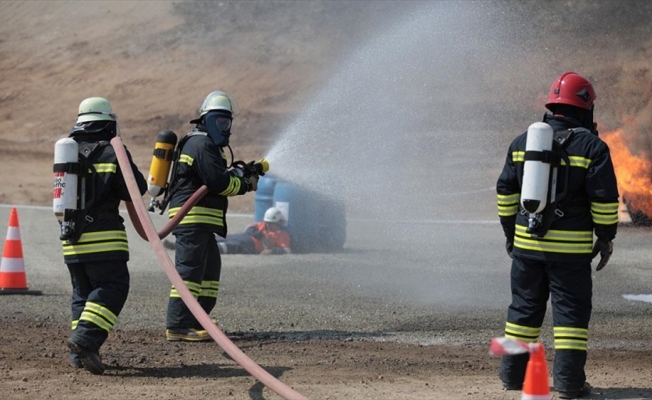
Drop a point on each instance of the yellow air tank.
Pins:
(161, 162)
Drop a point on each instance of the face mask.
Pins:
(218, 127)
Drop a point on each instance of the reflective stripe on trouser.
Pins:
(100, 291)
(569, 286)
(199, 264)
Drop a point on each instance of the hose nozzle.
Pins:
(257, 168)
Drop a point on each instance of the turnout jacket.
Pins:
(590, 205)
(104, 236)
(278, 241)
(200, 163)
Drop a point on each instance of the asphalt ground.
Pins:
(429, 282)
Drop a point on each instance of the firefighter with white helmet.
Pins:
(266, 237)
(94, 240)
(549, 234)
(202, 161)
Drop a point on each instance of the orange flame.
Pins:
(634, 172)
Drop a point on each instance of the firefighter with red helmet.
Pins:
(552, 247)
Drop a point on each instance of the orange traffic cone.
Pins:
(12, 268)
(535, 386)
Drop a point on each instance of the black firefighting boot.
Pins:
(74, 360)
(584, 391)
(89, 359)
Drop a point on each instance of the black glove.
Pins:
(251, 182)
(604, 248)
(509, 246)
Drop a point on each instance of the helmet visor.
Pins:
(96, 116)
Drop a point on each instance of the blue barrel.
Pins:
(264, 196)
(316, 223)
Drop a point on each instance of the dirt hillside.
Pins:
(156, 61)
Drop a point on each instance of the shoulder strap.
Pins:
(174, 179)
(560, 141)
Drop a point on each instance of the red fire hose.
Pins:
(220, 338)
(167, 228)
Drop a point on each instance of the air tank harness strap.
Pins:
(71, 168)
(545, 156)
(165, 154)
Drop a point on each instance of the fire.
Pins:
(634, 172)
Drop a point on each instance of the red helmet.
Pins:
(572, 89)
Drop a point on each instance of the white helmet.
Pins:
(218, 100)
(95, 109)
(273, 214)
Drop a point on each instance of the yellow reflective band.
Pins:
(209, 289)
(507, 199)
(186, 159)
(234, 187)
(194, 287)
(577, 161)
(97, 242)
(95, 319)
(210, 284)
(507, 211)
(521, 338)
(98, 315)
(558, 235)
(200, 215)
(74, 324)
(569, 344)
(104, 312)
(552, 247)
(70, 250)
(508, 204)
(600, 219)
(524, 333)
(571, 332)
(518, 156)
(581, 162)
(604, 208)
(105, 167)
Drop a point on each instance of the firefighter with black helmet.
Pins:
(95, 246)
(552, 247)
(202, 161)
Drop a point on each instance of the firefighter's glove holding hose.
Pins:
(251, 182)
(509, 246)
(604, 248)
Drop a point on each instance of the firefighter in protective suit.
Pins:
(266, 237)
(97, 256)
(202, 161)
(557, 264)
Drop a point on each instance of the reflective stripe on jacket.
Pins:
(202, 163)
(590, 205)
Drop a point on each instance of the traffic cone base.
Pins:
(12, 267)
(535, 386)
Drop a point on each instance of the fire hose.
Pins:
(168, 267)
(167, 228)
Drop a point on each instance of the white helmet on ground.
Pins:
(274, 215)
(95, 109)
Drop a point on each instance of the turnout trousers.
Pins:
(568, 284)
(99, 291)
(240, 243)
(199, 264)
